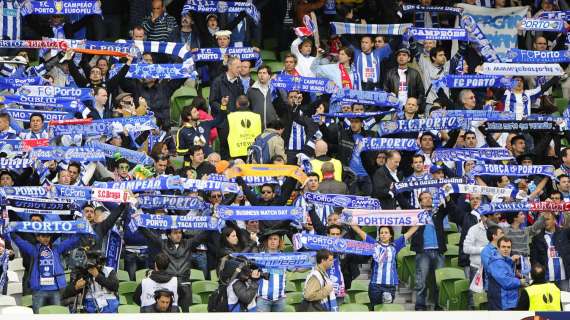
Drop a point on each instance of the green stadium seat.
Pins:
(127, 289)
(459, 299)
(357, 286)
(294, 298)
(362, 298)
(290, 287)
(353, 307)
(289, 308)
(129, 308)
(298, 278)
(196, 275)
(444, 279)
(26, 300)
(213, 275)
(389, 307)
(122, 300)
(196, 299)
(267, 55)
(453, 238)
(123, 276)
(204, 288)
(199, 308)
(452, 252)
(140, 275)
(180, 98)
(480, 300)
(54, 310)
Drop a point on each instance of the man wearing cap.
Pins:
(404, 82)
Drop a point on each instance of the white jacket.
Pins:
(474, 243)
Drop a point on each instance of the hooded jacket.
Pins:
(160, 277)
(503, 292)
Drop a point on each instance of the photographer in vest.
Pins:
(158, 279)
(163, 303)
(541, 295)
(319, 292)
(93, 286)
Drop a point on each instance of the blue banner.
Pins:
(93, 128)
(131, 155)
(76, 154)
(38, 206)
(472, 81)
(425, 183)
(480, 115)
(15, 83)
(24, 114)
(465, 154)
(217, 54)
(209, 185)
(151, 184)
(170, 222)
(171, 202)
(542, 25)
(246, 213)
(64, 227)
(271, 260)
(67, 7)
(333, 244)
(407, 8)
(341, 200)
(420, 125)
(155, 71)
(498, 207)
(304, 84)
(512, 170)
(113, 249)
(438, 34)
(81, 94)
(207, 6)
(353, 115)
(374, 98)
(31, 192)
(15, 163)
(377, 144)
(531, 56)
(63, 103)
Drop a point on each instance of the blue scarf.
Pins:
(217, 54)
(352, 115)
(341, 200)
(496, 207)
(64, 103)
(420, 125)
(427, 183)
(472, 81)
(481, 115)
(438, 34)
(531, 56)
(542, 25)
(131, 155)
(151, 184)
(484, 45)
(554, 15)
(15, 163)
(72, 154)
(4, 259)
(521, 125)
(24, 114)
(512, 170)
(412, 8)
(81, 94)
(58, 227)
(155, 71)
(377, 144)
(374, 98)
(68, 7)
(484, 190)
(377, 29)
(31, 192)
(385, 217)
(304, 84)
(206, 6)
(72, 192)
(171, 202)
(47, 269)
(15, 83)
(466, 154)
(113, 249)
(207, 185)
(90, 129)
(137, 47)
(246, 213)
(39, 206)
(162, 222)
(277, 260)
(339, 245)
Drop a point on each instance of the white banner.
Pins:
(522, 69)
(498, 25)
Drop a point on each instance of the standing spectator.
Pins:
(384, 177)
(405, 82)
(275, 144)
(260, 97)
(541, 295)
(187, 34)
(504, 286)
(159, 26)
(329, 184)
(318, 292)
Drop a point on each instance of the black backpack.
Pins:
(218, 300)
(258, 152)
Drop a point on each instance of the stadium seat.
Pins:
(454, 262)
(290, 287)
(140, 275)
(356, 287)
(289, 308)
(16, 310)
(459, 299)
(122, 300)
(275, 66)
(403, 275)
(453, 239)
(213, 275)
(362, 298)
(123, 276)
(127, 289)
(480, 300)
(452, 228)
(444, 279)
(294, 298)
(26, 300)
(410, 266)
(298, 278)
(204, 288)
(199, 308)
(196, 299)
(206, 93)
(54, 310)
(389, 307)
(129, 308)
(196, 275)
(7, 301)
(562, 104)
(180, 98)
(353, 307)
(267, 55)
(452, 252)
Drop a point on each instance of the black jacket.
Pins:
(180, 258)
(102, 228)
(222, 87)
(110, 283)
(382, 182)
(539, 247)
(417, 243)
(413, 81)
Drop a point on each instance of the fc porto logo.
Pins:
(511, 54)
(340, 201)
(389, 126)
(222, 7)
(339, 245)
(24, 91)
(330, 87)
(58, 7)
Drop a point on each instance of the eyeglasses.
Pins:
(266, 191)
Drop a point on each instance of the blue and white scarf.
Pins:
(277, 260)
(425, 183)
(217, 54)
(170, 222)
(171, 202)
(38, 206)
(15, 83)
(498, 207)
(72, 154)
(132, 156)
(377, 29)
(481, 115)
(30, 192)
(532, 56)
(304, 84)
(406, 8)
(374, 98)
(472, 81)
(420, 125)
(378, 144)
(517, 126)
(378, 218)
(93, 128)
(24, 114)
(151, 184)
(155, 71)
(521, 69)
(512, 170)
(483, 190)
(353, 115)
(542, 25)
(58, 227)
(485, 47)
(68, 7)
(246, 213)
(81, 94)
(64, 103)
(554, 15)
(333, 244)
(342, 200)
(466, 154)
(113, 249)
(438, 34)
(4, 259)
(208, 185)
(207, 6)
(15, 163)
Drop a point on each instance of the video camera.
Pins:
(83, 259)
(245, 266)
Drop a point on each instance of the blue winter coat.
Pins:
(503, 293)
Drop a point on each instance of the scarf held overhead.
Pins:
(466, 154)
(275, 260)
(67, 7)
(341, 200)
(379, 144)
(333, 244)
(531, 56)
(246, 213)
(64, 227)
(268, 170)
(38, 206)
(151, 184)
(207, 6)
(378, 218)
(438, 34)
(511, 170)
(426, 183)
(419, 125)
(304, 84)
(171, 202)
(376, 29)
(171, 222)
(131, 155)
(520, 69)
(155, 71)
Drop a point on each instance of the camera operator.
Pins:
(242, 290)
(163, 299)
(93, 285)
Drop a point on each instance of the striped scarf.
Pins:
(377, 29)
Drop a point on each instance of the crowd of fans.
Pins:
(237, 116)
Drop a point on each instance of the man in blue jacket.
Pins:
(47, 276)
(503, 293)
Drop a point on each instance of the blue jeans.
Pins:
(426, 264)
(200, 261)
(376, 293)
(134, 262)
(91, 307)
(264, 305)
(45, 298)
